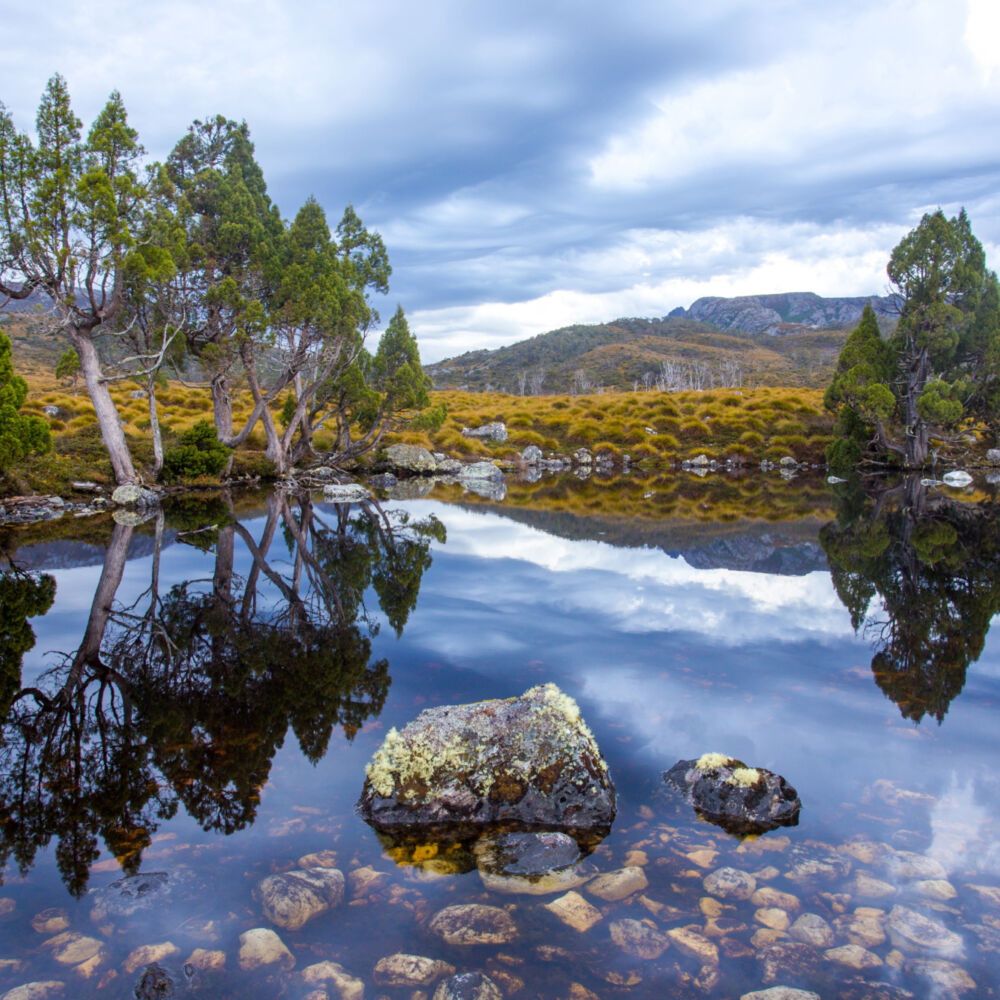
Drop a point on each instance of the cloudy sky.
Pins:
(533, 165)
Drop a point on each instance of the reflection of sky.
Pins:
(638, 590)
(666, 661)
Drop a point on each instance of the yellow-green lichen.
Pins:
(745, 777)
(400, 763)
(710, 761)
(404, 765)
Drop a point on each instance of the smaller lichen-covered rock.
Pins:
(529, 761)
(742, 800)
(496, 431)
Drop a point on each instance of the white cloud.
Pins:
(649, 591)
(982, 35)
(823, 110)
(650, 272)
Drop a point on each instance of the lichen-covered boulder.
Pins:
(529, 762)
(410, 458)
(133, 495)
(496, 431)
(345, 493)
(742, 800)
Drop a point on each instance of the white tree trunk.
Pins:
(104, 406)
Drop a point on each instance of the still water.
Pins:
(204, 690)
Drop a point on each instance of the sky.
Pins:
(535, 165)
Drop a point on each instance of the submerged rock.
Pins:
(742, 800)
(410, 970)
(532, 863)
(132, 894)
(155, 984)
(468, 986)
(43, 989)
(292, 898)
(909, 929)
(473, 923)
(529, 761)
(347, 986)
(612, 886)
(781, 993)
(730, 883)
(260, 946)
(574, 911)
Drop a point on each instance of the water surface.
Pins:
(210, 714)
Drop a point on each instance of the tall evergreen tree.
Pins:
(67, 212)
(233, 234)
(941, 367)
(20, 436)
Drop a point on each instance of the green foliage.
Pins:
(935, 567)
(198, 454)
(19, 435)
(939, 368)
(288, 409)
(431, 418)
(396, 367)
(22, 596)
(68, 367)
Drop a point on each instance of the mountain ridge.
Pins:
(791, 338)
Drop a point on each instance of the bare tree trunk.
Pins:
(154, 424)
(222, 406)
(917, 431)
(107, 586)
(104, 406)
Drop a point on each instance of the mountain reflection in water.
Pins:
(159, 742)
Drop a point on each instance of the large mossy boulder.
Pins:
(410, 459)
(527, 762)
(743, 800)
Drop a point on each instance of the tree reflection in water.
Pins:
(934, 564)
(184, 697)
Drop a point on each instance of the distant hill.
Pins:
(792, 339)
(791, 312)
